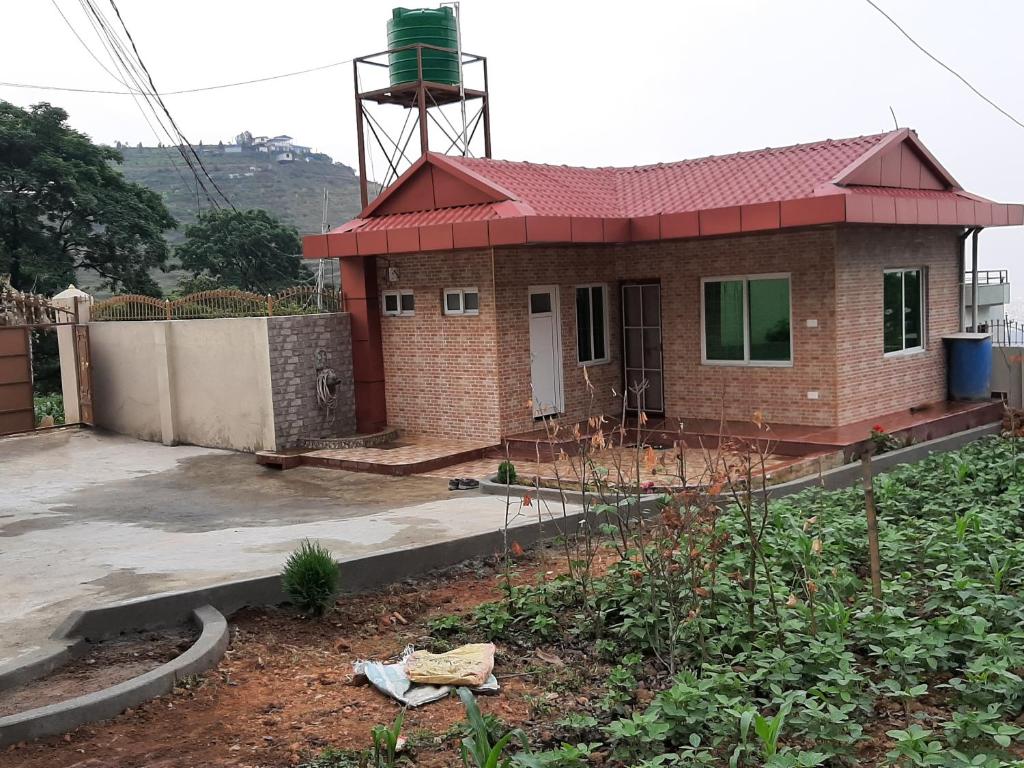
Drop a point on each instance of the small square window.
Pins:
(461, 301)
(540, 303)
(398, 303)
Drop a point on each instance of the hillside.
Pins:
(291, 191)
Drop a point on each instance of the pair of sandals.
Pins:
(463, 484)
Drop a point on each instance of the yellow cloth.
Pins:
(466, 665)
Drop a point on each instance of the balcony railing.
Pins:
(1005, 332)
(988, 277)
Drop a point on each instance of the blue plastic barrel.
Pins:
(969, 365)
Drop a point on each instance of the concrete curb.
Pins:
(102, 705)
(39, 663)
(209, 606)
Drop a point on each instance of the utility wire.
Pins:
(134, 74)
(156, 94)
(184, 90)
(945, 66)
(86, 45)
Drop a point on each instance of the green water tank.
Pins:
(430, 26)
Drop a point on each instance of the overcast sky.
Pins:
(580, 83)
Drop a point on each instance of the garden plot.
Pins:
(722, 632)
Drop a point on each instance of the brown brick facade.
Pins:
(870, 382)
(470, 376)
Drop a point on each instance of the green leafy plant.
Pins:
(882, 440)
(385, 742)
(49, 405)
(310, 578)
(480, 749)
(507, 473)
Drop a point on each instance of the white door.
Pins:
(545, 351)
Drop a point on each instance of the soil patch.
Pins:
(281, 693)
(101, 666)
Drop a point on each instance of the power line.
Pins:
(945, 66)
(160, 101)
(86, 45)
(204, 88)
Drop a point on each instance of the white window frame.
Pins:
(607, 342)
(923, 346)
(746, 362)
(461, 293)
(398, 295)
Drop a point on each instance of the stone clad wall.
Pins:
(293, 343)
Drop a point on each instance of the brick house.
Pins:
(814, 282)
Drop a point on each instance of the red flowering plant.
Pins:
(883, 440)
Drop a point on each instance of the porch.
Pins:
(791, 450)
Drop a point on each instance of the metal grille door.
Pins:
(16, 411)
(641, 339)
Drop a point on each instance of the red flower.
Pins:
(878, 428)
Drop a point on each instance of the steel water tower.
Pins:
(419, 86)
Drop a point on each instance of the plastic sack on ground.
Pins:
(468, 665)
(392, 680)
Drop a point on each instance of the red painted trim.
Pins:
(760, 216)
(645, 228)
(507, 231)
(341, 244)
(616, 230)
(372, 243)
(436, 237)
(675, 225)
(314, 247)
(965, 212)
(858, 209)
(1015, 215)
(906, 210)
(378, 201)
(470, 234)
(927, 211)
(827, 209)
(403, 240)
(587, 229)
(548, 229)
(720, 221)
(983, 214)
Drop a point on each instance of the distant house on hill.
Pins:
(283, 147)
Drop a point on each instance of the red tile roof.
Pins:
(805, 184)
(759, 176)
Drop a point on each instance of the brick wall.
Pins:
(470, 376)
(440, 370)
(871, 383)
(692, 390)
(293, 343)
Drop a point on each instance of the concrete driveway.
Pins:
(88, 518)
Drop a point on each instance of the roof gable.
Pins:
(435, 182)
(901, 161)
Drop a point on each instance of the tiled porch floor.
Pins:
(622, 468)
(405, 456)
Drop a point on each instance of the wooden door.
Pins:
(84, 374)
(16, 410)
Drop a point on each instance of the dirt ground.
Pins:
(282, 692)
(101, 666)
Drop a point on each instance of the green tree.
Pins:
(250, 250)
(64, 207)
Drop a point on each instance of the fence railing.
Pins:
(300, 300)
(1005, 332)
(17, 308)
(988, 277)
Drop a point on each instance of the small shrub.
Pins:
(507, 473)
(884, 442)
(310, 578)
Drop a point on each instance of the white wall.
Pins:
(203, 382)
(124, 377)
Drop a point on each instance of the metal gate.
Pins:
(17, 413)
